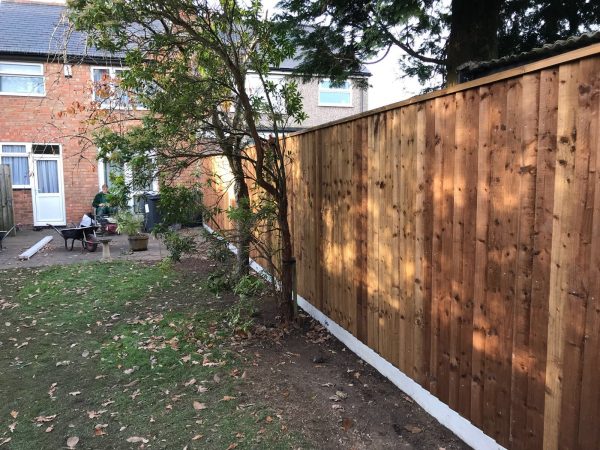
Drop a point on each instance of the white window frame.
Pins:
(344, 90)
(110, 103)
(26, 94)
(27, 155)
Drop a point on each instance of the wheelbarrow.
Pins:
(87, 236)
(3, 234)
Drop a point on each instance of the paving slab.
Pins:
(55, 252)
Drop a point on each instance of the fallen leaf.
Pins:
(347, 423)
(108, 402)
(202, 389)
(137, 439)
(4, 441)
(14, 414)
(52, 390)
(50, 428)
(63, 363)
(341, 394)
(198, 436)
(12, 427)
(226, 398)
(99, 429)
(198, 406)
(72, 441)
(189, 383)
(75, 393)
(232, 446)
(269, 419)
(85, 354)
(43, 419)
(413, 429)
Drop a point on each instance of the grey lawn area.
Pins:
(55, 252)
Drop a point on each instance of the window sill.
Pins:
(21, 188)
(16, 94)
(329, 105)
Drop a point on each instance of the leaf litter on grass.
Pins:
(175, 345)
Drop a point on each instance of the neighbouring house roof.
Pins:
(42, 31)
(35, 30)
(476, 69)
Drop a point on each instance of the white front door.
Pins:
(48, 190)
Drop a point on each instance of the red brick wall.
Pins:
(55, 118)
(22, 206)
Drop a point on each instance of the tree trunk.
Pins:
(474, 26)
(286, 299)
(243, 228)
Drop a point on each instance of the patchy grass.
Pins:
(110, 352)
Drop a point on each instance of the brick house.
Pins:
(46, 81)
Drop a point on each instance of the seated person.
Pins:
(101, 204)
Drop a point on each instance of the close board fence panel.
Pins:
(457, 234)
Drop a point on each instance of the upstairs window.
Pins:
(17, 157)
(339, 95)
(21, 79)
(106, 88)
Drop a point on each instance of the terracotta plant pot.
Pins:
(138, 243)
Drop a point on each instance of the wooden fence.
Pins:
(458, 235)
(6, 199)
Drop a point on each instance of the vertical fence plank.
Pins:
(361, 156)
(420, 292)
(562, 244)
(588, 431)
(467, 118)
(542, 246)
(527, 122)
(480, 322)
(401, 206)
(408, 235)
(373, 233)
(577, 282)
(495, 304)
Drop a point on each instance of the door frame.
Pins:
(61, 184)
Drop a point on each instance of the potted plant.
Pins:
(131, 225)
